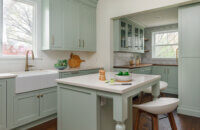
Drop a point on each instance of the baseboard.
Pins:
(188, 111)
(35, 123)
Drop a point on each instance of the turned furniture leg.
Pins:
(172, 121)
(120, 126)
(155, 122)
(137, 120)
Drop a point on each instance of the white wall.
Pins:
(107, 9)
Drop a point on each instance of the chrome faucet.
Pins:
(27, 65)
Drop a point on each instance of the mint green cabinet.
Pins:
(168, 74)
(26, 108)
(77, 73)
(3, 103)
(189, 60)
(69, 25)
(48, 102)
(128, 36)
(87, 27)
(73, 102)
(35, 105)
(142, 70)
(52, 25)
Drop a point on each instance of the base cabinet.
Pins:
(69, 101)
(2, 104)
(32, 106)
(168, 74)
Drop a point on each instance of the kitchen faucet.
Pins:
(27, 65)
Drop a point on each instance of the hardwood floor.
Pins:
(183, 122)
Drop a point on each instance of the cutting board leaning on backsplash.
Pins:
(75, 61)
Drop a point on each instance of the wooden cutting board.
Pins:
(75, 61)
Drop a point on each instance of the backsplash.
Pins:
(147, 57)
(47, 61)
(123, 58)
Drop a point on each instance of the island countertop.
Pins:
(92, 81)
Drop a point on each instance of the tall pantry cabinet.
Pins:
(189, 60)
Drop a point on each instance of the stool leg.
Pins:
(140, 97)
(172, 121)
(155, 122)
(137, 120)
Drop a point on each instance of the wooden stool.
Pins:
(163, 86)
(154, 108)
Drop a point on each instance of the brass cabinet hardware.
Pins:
(79, 43)
(41, 96)
(38, 96)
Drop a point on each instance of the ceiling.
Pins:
(156, 18)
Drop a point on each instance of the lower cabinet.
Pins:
(70, 115)
(168, 74)
(77, 73)
(3, 105)
(34, 105)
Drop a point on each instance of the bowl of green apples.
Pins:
(123, 77)
(61, 64)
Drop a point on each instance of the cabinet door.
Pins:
(71, 25)
(172, 78)
(2, 104)
(56, 23)
(26, 108)
(76, 106)
(48, 102)
(189, 31)
(87, 27)
(160, 70)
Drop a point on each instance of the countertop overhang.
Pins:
(7, 75)
(92, 81)
(142, 65)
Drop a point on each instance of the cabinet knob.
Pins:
(38, 96)
(41, 96)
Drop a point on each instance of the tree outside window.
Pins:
(18, 27)
(164, 44)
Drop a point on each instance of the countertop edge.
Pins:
(7, 75)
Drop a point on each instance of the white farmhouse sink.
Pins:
(35, 80)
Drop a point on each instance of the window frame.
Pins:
(36, 29)
(153, 43)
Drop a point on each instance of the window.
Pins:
(164, 44)
(19, 27)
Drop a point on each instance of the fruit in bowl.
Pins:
(123, 77)
(61, 64)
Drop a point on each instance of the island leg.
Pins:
(120, 112)
(156, 90)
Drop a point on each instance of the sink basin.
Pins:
(35, 80)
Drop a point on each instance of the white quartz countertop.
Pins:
(7, 75)
(92, 81)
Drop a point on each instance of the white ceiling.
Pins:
(156, 18)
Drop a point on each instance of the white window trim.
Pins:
(37, 30)
(153, 44)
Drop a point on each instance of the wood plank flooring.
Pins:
(183, 122)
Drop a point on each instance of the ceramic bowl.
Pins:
(124, 78)
(61, 67)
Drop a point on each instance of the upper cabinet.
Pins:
(128, 36)
(69, 25)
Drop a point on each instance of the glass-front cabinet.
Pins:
(128, 36)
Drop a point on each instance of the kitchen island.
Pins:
(79, 100)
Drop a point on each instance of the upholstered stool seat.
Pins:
(156, 107)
